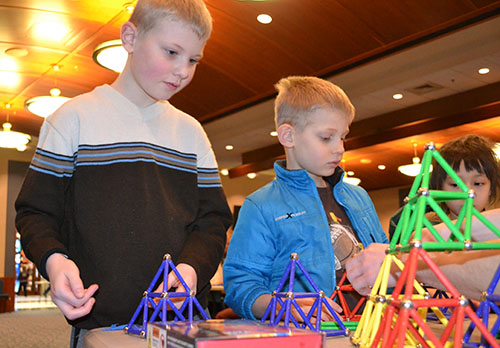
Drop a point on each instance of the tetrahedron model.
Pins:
(288, 299)
(164, 299)
(403, 321)
(348, 314)
(489, 304)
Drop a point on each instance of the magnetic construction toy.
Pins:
(160, 308)
(404, 311)
(348, 314)
(488, 304)
(287, 299)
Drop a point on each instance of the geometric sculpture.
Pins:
(348, 314)
(488, 304)
(403, 322)
(287, 301)
(159, 308)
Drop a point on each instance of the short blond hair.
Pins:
(192, 12)
(300, 95)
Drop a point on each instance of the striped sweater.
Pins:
(116, 187)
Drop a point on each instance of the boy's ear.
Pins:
(128, 35)
(285, 135)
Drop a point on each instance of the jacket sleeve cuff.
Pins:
(43, 263)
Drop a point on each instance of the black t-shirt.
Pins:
(345, 241)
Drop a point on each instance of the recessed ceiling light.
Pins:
(397, 96)
(350, 173)
(224, 172)
(264, 18)
(483, 71)
(229, 147)
(50, 31)
(251, 175)
(365, 161)
(9, 79)
(273, 133)
(381, 167)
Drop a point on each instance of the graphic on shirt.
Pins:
(344, 242)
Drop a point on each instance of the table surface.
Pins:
(98, 338)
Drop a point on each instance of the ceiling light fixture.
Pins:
(11, 139)
(496, 149)
(273, 133)
(397, 96)
(45, 105)
(414, 168)
(111, 55)
(224, 172)
(229, 147)
(483, 71)
(251, 175)
(264, 18)
(349, 176)
(381, 167)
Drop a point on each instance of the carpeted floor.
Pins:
(37, 328)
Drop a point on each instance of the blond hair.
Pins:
(300, 95)
(192, 12)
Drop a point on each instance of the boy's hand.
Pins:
(363, 269)
(306, 304)
(187, 273)
(262, 302)
(66, 287)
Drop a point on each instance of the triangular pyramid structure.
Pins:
(287, 299)
(159, 308)
(377, 303)
(348, 314)
(489, 303)
(402, 322)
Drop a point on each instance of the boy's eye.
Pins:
(171, 52)
(193, 61)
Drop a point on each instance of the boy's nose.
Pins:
(182, 71)
(338, 147)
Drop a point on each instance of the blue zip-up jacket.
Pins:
(287, 216)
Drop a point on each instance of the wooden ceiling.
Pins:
(243, 59)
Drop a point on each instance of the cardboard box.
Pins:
(230, 333)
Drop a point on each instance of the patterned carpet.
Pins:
(37, 328)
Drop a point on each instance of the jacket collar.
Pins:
(300, 179)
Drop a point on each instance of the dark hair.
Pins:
(477, 154)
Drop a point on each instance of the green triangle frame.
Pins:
(413, 218)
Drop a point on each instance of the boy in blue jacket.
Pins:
(307, 209)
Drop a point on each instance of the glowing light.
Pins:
(50, 31)
(264, 18)
(381, 167)
(497, 150)
(483, 71)
(224, 172)
(111, 55)
(8, 72)
(397, 96)
(229, 147)
(9, 79)
(251, 175)
(45, 105)
(13, 140)
(273, 133)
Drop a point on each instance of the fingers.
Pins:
(72, 312)
(67, 289)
